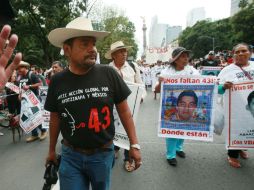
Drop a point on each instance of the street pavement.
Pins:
(205, 165)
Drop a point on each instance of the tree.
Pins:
(243, 25)
(35, 19)
(120, 28)
(243, 3)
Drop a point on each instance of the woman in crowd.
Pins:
(178, 66)
(242, 69)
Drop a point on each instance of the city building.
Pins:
(161, 35)
(195, 15)
(157, 33)
(172, 33)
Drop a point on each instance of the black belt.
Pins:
(89, 151)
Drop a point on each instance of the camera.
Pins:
(50, 174)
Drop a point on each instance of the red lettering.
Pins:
(94, 122)
(105, 109)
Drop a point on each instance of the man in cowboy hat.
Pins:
(30, 81)
(129, 72)
(81, 100)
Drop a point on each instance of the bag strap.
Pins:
(246, 73)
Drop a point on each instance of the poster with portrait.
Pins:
(13, 87)
(211, 71)
(121, 139)
(239, 116)
(30, 113)
(187, 107)
(43, 91)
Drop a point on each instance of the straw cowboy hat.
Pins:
(114, 47)
(177, 52)
(24, 64)
(80, 26)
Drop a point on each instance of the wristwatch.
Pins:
(136, 146)
(30, 86)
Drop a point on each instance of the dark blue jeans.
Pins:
(77, 171)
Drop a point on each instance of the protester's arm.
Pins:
(158, 86)
(223, 87)
(6, 53)
(128, 123)
(54, 130)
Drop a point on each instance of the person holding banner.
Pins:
(30, 81)
(241, 70)
(6, 51)
(81, 100)
(130, 73)
(179, 66)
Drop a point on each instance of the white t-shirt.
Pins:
(188, 70)
(233, 73)
(127, 72)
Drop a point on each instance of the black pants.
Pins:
(233, 153)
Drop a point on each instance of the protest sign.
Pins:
(121, 139)
(187, 107)
(239, 116)
(153, 54)
(43, 91)
(13, 87)
(30, 114)
(212, 71)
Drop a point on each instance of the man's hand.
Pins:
(6, 53)
(51, 158)
(26, 87)
(135, 156)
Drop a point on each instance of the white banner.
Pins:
(154, 54)
(30, 114)
(212, 71)
(43, 91)
(121, 139)
(187, 107)
(13, 87)
(239, 116)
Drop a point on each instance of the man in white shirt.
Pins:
(130, 72)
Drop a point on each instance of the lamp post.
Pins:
(212, 38)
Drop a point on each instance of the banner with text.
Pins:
(212, 71)
(239, 116)
(30, 114)
(154, 54)
(121, 139)
(43, 91)
(187, 107)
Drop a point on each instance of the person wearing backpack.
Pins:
(129, 72)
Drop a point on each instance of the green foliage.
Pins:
(226, 33)
(243, 3)
(243, 25)
(35, 19)
(120, 28)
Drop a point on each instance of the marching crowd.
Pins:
(89, 150)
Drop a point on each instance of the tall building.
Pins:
(172, 33)
(161, 35)
(235, 6)
(157, 33)
(195, 15)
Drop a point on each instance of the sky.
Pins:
(172, 12)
